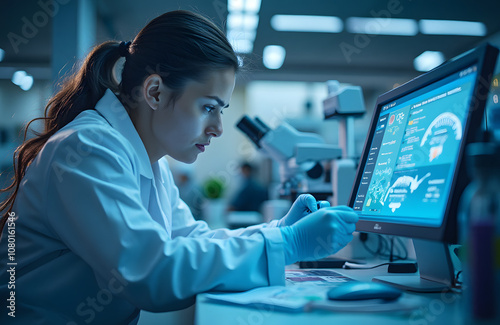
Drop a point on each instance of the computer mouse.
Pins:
(356, 290)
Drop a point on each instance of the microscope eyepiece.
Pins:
(255, 130)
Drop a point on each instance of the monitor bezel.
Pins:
(484, 57)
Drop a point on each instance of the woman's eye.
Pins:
(209, 108)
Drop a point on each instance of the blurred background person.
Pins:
(251, 194)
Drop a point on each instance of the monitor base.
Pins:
(412, 283)
(436, 269)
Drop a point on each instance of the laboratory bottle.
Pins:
(479, 228)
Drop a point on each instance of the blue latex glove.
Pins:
(303, 205)
(320, 234)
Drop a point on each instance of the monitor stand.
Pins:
(435, 265)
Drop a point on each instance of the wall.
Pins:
(17, 107)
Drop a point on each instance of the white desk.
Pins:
(442, 308)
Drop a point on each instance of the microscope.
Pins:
(299, 155)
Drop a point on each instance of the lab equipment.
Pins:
(305, 239)
(411, 173)
(343, 104)
(480, 230)
(392, 267)
(298, 153)
(330, 262)
(356, 290)
(492, 118)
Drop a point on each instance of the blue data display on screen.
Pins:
(413, 154)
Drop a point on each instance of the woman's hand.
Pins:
(320, 234)
(303, 205)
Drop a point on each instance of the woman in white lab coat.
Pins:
(94, 229)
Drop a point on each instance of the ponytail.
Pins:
(79, 91)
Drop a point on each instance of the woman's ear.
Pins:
(152, 87)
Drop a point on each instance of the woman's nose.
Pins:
(215, 126)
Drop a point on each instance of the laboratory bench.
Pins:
(437, 308)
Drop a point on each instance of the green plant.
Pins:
(213, 188)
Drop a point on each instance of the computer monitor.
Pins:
(411, 172)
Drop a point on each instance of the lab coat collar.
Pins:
(113, 111)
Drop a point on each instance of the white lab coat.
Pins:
(102, 233)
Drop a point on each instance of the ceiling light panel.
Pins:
(252, 6)
(22, 79)
(274, 56)
(249, 6)
(243, 46)
(428, 60)
(452, 27)
(235, 5)
(305, 23)
(382, 26)
(234, 34)
(242, 21)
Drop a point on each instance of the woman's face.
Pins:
(184, 128)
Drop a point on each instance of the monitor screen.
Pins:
(411, 172)
(413, 153)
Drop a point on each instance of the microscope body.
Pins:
(344, 104)
(299, 155)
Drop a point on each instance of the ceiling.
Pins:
(378, 59)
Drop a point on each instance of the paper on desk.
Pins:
(305, 298)
(291, 299)
(322, 277)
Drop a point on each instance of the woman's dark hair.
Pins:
(179, 46)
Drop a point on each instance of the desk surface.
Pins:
(440, 308)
